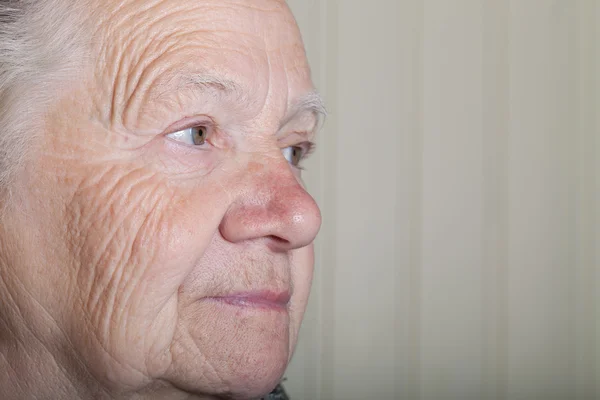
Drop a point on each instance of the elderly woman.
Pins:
(155, 236)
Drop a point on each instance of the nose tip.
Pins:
(285, 214)
(304, 221)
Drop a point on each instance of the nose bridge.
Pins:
(269, 183)
(266, 174)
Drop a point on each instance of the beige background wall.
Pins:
(459, 179)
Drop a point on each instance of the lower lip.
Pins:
(262, 301)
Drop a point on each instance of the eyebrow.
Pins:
(310, 102)
(212, 82)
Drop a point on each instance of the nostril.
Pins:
(279, 241)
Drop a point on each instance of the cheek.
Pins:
(113, 214)
(302, 275)
(302, 270)
(133, 238)
(135, 242)
(132, 222)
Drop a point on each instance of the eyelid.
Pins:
(294, 138)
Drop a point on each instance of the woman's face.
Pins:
(162, 237)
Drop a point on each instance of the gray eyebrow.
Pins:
(311, 102)
(212, 82)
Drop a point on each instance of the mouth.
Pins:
(262, 300)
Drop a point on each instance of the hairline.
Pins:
(41, 44)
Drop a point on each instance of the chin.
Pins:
(230, 352)
(259, 371)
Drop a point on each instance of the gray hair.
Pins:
(39, 40)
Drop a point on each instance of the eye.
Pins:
(295, 154)
(195, 136)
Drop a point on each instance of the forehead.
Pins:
(143, 45)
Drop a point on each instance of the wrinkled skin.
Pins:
(119, 258)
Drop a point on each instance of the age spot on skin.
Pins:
(255, 167)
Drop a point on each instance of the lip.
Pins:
(264, 300)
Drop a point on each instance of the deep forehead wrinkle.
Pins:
(156, 61)
(139, 39)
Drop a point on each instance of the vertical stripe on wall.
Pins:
(453, 186)
(541, 201)
(408, 208)
(585, 133)
(595, 143)
(368, 119)
(495, 132)
(329, 238)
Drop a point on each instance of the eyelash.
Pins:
(307, 149)
(311, 147)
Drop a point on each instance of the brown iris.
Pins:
(199, 134)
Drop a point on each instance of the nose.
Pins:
(274, 206)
